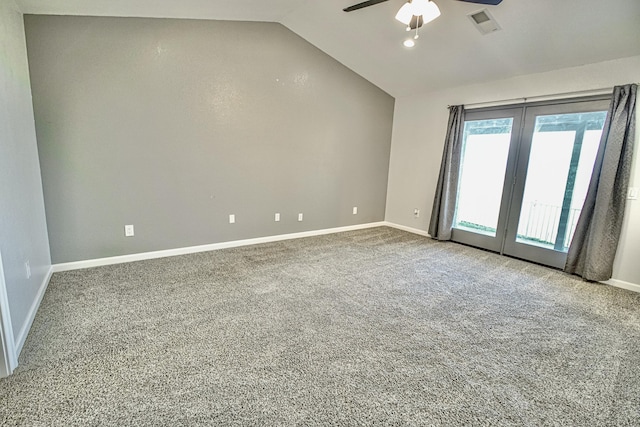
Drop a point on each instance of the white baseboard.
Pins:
(246, 242)
(408, 229)
(76, 265)
(24, 331)
(622, 284)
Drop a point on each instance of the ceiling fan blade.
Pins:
(363, 4)
(489, 2)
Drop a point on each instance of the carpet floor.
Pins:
(370, 327)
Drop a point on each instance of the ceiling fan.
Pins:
(415, 13)
(373, 2)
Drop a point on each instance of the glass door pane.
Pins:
(563, 151)
(558, 150)
(487, 157)
(485, 150)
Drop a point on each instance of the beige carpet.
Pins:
(371, 327)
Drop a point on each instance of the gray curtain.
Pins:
(595, 241)
(444, 203)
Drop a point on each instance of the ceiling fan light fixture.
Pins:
(429, 10)
(405, 13)
(425, 8)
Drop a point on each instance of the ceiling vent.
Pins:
(484, 22)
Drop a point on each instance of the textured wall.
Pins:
(172, 125)
(23, 232)
(420, 127)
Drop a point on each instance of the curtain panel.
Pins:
(444, 203)
(595, 241)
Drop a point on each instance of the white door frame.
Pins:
(8, 357)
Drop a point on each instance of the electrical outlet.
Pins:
(633, 193)
(416, 213)
(299, 217)
(128, 231)
(277, 217)
(355, 210)
(27, 269)
(232, 219)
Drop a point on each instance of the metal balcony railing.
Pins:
(541, 224)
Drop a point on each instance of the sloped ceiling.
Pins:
(536, 35)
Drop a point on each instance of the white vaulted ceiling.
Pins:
(536, 35)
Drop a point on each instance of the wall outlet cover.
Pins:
(128, 231)
(27, 268)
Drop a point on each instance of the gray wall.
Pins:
(23, 232)
(172, 125)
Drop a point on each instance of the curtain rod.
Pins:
(522, 100)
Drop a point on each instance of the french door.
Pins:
(524, 174)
